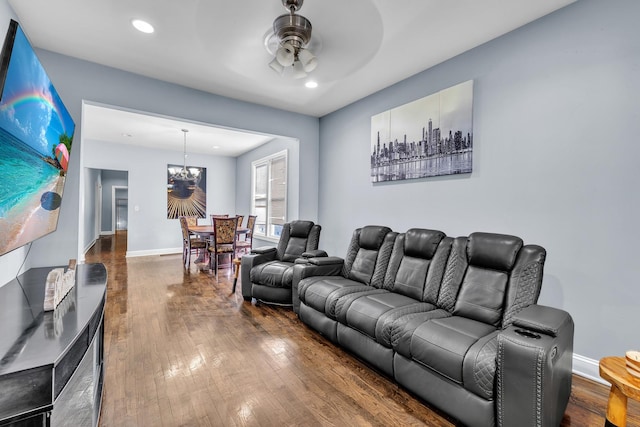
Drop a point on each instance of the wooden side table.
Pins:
(236, 263)
(623, 386)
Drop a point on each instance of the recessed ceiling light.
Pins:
(142, 26)
(311, 84)
(215, 147)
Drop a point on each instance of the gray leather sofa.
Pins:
(453, 320)
(267, 273)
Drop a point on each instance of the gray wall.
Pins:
(149, 230)
(556, 118)
(92, 178)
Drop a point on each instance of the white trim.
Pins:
(89, 246)
(167, 251)
(588, 368)
(97, 223)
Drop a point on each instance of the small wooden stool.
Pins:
(236, 264)
(623, 386)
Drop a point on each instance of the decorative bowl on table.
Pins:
(633, 362)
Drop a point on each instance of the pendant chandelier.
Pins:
(293, 33)
(185, 180)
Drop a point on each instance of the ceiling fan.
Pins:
(293, 34)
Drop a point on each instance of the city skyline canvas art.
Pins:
(431, 136)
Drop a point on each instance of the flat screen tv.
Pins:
(36, 132)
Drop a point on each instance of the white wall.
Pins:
(556, 118)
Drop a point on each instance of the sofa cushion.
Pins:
(368, 254)
(297, 237)
(401, 330)
(388, 322)
(411, 276)
(410, 264)
(295, 247)
(481, 295)
(441, 344)
(277, 274)
(316, 292)
(490, 257)
(364, 312)
(363, 265)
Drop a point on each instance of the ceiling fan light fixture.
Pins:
(308, 60)
(286, 55)
(298, 70)
(293, 33)
(276, 66)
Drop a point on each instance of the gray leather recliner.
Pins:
(267, 273)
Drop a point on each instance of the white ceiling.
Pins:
(108, 124)
(218, 46)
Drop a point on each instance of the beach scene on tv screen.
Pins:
(36, 133)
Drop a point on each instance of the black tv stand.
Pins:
(51, 363)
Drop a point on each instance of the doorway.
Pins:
(120, 208)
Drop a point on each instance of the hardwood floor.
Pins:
(181, 350)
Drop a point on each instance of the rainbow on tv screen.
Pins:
(36, 133)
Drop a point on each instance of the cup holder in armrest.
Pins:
(528, 334)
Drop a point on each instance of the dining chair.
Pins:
(189, 243)
(240, 219)
(245, 244)
(192, 220)
(213, 216)
(223, 242)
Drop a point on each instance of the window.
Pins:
(269, 194)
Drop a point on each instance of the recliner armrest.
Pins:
(545, 320)
(264, 250)
(256, 257)
(328, 260)
(534, 367)
(314, 254)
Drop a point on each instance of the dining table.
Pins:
(208, 231)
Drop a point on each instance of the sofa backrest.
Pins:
(296, 238)
(490, 259)
(491, 277)
(525, 281)
(417, 264)
(368, 254)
